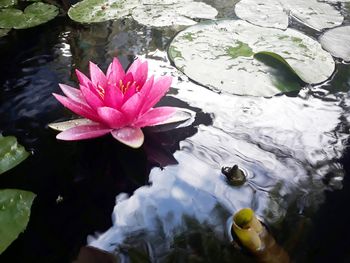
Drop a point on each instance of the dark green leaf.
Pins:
(11, 153)
(34, 14)
(14, 214)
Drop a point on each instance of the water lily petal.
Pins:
(73, 93)
(83, 132)
(98, 78)
(146, 88)
(141, 74)
(130, 136)
(113, 96)
(158, 90)
(115, 72)
(91, 98)
(134, 66)
(112, 117)
(128, 78)
(130, 92)
(78, 108)
(132, 106)
(83, 80)
(155, 116)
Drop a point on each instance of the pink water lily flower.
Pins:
(120, 103)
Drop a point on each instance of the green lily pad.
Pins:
(33, 15)
(336, 41)
(7, 3)
(14, 214)
(275, 13)
(147, 12)
(3, 32)
(11, 153)
(93, 11)
(222, 55)
(160, 14)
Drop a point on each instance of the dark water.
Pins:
(293, 149)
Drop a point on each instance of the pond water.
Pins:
(173, 202)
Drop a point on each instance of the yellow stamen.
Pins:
(100, 91)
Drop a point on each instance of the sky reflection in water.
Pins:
(286, 145)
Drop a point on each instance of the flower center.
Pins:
(124, 87)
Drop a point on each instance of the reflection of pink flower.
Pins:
(120, 103)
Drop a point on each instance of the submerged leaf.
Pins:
(275, 13)
(33, 15)
(220, 55)
(11, 153)
(14, 214)
(336, 41)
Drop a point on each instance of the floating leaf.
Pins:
(160, 14)
(275, 13)
(7, 3)
(14, 214)
(11, 153)
(33, 15)
(93, 11)
(148, 12)
(336, 41)
(269, 13)
(219, 55)
(3, 32)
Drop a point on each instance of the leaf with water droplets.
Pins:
(14, 214)
(65, 125)
(11, 153)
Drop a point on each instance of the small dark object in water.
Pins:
(234, 175)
